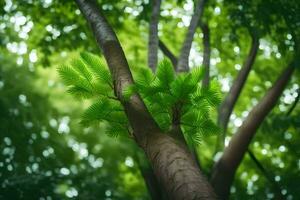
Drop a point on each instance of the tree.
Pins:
(168, 111)
(172, 164)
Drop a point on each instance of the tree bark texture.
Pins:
(225, 168)
(176, 169)
(153, 35)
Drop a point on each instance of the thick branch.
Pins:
(227, 106)
(153, 35)
(183, 62)
(168, 53)
(225, 168)
(206, 53)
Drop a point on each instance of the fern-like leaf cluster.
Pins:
(166, 91)
(88, 78)
(162, 92)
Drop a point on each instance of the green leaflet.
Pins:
(165, 73)
(97, 66)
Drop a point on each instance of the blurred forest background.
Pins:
(45, 153)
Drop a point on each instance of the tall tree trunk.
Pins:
(153, 35)
(172, 163)
(227, 105)
(225, 168)
(183, 61)
(206, 53)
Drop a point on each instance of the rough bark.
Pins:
(151, 182)
(176, 169)
(227, 105)
(168, 53)
(225, 168)
(171, 162)
(206, 53)
(153, 35)
(183, 61)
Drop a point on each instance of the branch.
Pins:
(228, 104)
(206, 53)
(168, 53)
(136, 111)
(225, 168)
(276, 187)
(294, 104)
(153, 35)
(183, 62)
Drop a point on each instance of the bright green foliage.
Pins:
(163, 92)
(167, 91)
(88, 78)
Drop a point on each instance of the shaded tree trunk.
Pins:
(230, 100)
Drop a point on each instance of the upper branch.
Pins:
(225, 168)
(168, 53)
(227, 105)
(183, 62)
(136, 111)
(153, 35)
(206, 53)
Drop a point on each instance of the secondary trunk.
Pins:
(225, 168)
(227, 105)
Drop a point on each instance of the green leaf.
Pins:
(96, 112)
(80, 92)
(97, 66)
(68, 75)
(81, 68)
(165, 73)
(197, 74)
